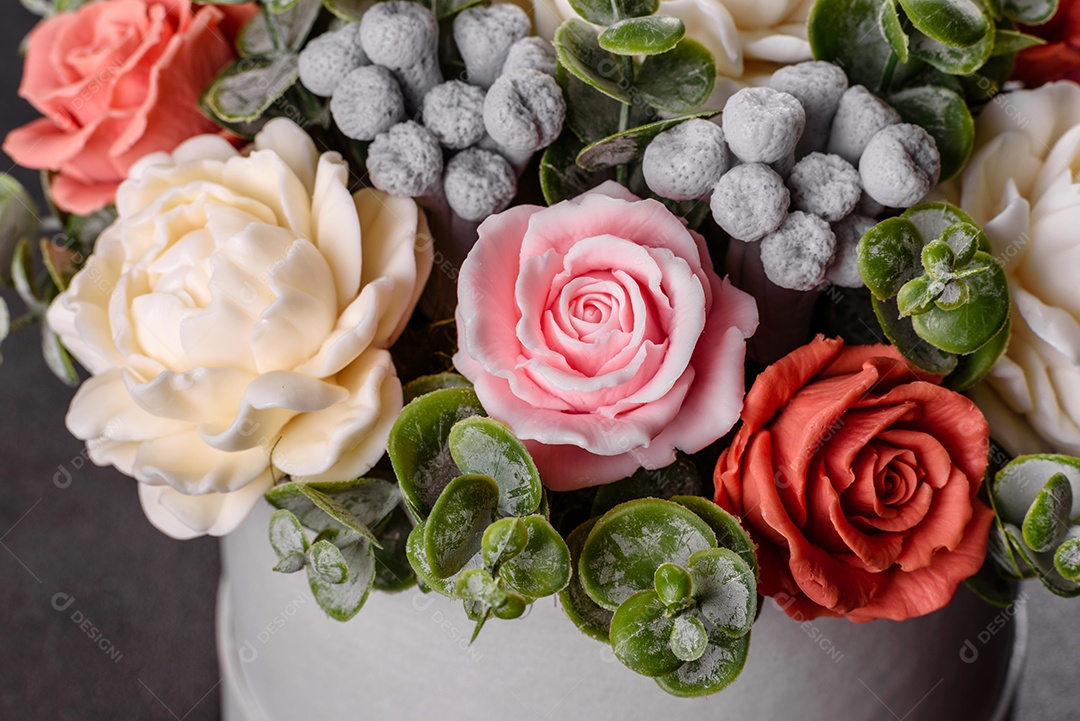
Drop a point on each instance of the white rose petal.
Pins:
(235, 318)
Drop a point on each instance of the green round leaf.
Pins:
(834, 26)
(418, 444)
(291, 563)
(348, 10)
(681, 478)
(1047, 520)
(964, 240)
(951, 60)
(343, 600)
(341, 516)
(416, 552)
(561, 178)
(590, 618)
(729, 532)
(294, 26)
(327, 561)
(504, 539)
(456, 525)
(678, 81)
(631, 541)
(392, 570)
(368, 500)
(247, 88)
(721, 664)
(437, 382)
(893, 30)
(483, 446)
(938, 258)
(640, 635)
(901, 333)
(934, 219)
(1020, 481)
(608, 12)
(689, 639)
(672, 584)
(918, 295)
(889, 256)
(973, 367)
(643, 36)
(725, 589)
(1029, 12)
(1009, 42)
(287, 535)
(513, 606)
(543, 567)
(958, 23)
(970, 327)
(1067, 558)
(628, 146)
(476, 584)
(578, 49)
(944, 114)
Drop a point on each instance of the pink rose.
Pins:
(118, 80)
(599, 332)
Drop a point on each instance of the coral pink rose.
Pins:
(599, 332)
(858, 478)
(118, 80)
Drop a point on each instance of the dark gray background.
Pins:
(152, 598)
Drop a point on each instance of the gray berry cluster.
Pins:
(802, 165)
(432, 137)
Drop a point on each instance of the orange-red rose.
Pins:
(117, 80)
(857, 478)
(1059, 59)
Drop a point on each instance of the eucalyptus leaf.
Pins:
(348, 10)
(945, 115)
(444, 9)
(57, 358)
(968, 328)
(679, 80)
(847, 33)
(428, 384)
(721, 664)
(343, 600)
(1020, 481)
(729, 532)
(22, 274)
(1008, 42)
(248, 87)
(291, 563)
(476, 584)
(503, 539)
(418, 444)
(543, 567)
(1030, 12)
(640, 635)
(591, 619)
(339, 513)
(689, 639)
(577, 47)
(416, 552)
(957, 23)
(629, 145)
(392, 570)
(484, 446)
(917, 296)
(889, 256)
(901, 333)
(681, 478)
(893, 30)
(608, 12)
(725, 589)
(590, 115)
(950, 59)
(513, 606)
(1067, 559)
(455, 527)
(369, 500)
(964, 240)
(934, 219)
(1047, 520)
(328, 562)
(643, 36)
(973, 367)
(287, 535)
(631, 541)
(561, 178)
(19, 219)
(673, 584)
(294, 25)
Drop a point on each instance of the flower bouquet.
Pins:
(697, 321)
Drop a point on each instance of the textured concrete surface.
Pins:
(107, 618)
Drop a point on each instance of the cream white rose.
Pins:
(235, 320)
(1021, 185)
(748, 38)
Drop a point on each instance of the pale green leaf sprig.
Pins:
(616, 80)
(672, 585)
(932, 60)
(482, 533)
(939, 295)
(358, 544)
(1036, 500)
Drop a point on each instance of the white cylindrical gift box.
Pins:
(407, 656)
